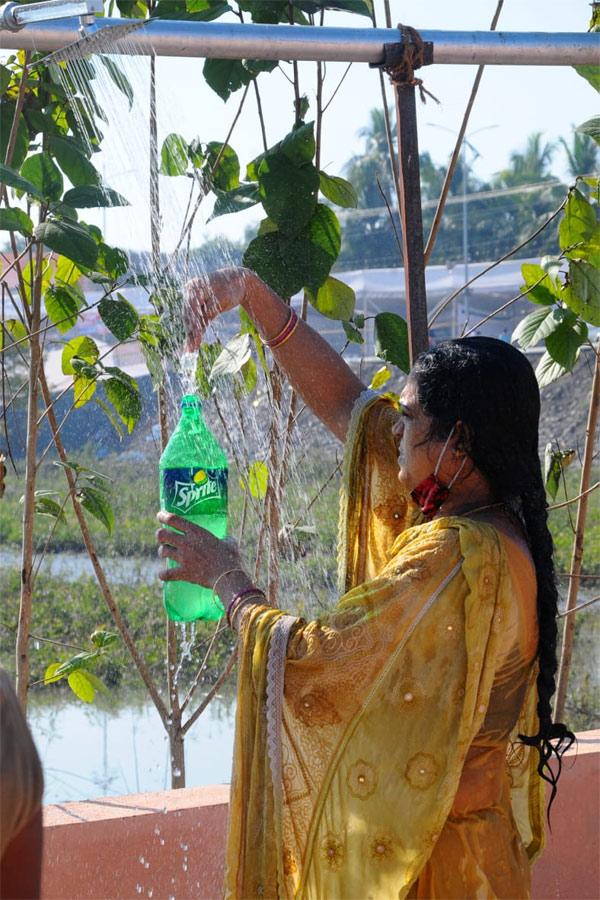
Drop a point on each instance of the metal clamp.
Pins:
(14, 16)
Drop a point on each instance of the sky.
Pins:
(513, 101)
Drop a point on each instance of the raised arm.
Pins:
(319, 374)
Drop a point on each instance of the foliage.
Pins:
(567, 304)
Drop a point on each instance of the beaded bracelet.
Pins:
(286, 332)
(237, 598)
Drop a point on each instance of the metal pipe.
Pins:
(236, 41)
(15, 16)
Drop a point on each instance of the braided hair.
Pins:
(490, 388)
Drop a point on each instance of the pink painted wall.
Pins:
(171, 843)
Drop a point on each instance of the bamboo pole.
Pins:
(574, 578)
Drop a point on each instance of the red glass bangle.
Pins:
(288, 329)
(241, 595)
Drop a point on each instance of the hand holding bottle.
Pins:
(200, 557)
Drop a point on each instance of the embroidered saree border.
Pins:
(275, 679)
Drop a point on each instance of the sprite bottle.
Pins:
(193, 484)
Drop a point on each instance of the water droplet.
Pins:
(146, 865)
(176, 772)
(185, 846)
(157, 830)
(142, 860)
(138, 888)
(184, 867)
(150, 892)
(162, 842)
(36, 645)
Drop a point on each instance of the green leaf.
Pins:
(287, 263)
(591, 127)
(29, 277)
(103, 638)
(123, 392)
(15, 329)
(536, 326)
(555, 462)
(98, 505)
(233, 356)
(391, 340)
(579, 223)
(379, 378)
(41, 171)
(591, 74)
(225, 76)
(256, 479)
(207, 356)
(44, 506)
(70, 239)
(541, 288)
(119, 316)
(338, 190)
(564, 342)
(352, 333)
(77, 662)
(62, 308)
(547, 370)
(65, 271)
(113, 260)
(73, 160)
(50, 674)
(334, 299)
(7, 112)
(256, 66)
(195, 153)
(12, 179)
(226, 175)
(299, 145)
(81, 686)
(174, 156)
(288, 193)
(110, 415)
(118, 76)
(266, 12)
(5, 77)
(242, 197)
(83, 390)
(93, 196)
(82, 348)
(14, 219)
(582, 294)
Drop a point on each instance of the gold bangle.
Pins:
(224, 575)
(289, 334)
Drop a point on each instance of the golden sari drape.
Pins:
(373, 754)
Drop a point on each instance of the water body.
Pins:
(71, 566)
(103, 750)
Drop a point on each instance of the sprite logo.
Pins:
(186, 489)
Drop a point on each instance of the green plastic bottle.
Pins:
(193, 484)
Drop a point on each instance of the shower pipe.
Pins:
(238, 41)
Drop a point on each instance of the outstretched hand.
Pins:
(208, 296)
(200, 556)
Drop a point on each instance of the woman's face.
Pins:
(417, 456)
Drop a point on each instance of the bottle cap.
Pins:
(191, 400)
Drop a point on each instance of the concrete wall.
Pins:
(171, 843)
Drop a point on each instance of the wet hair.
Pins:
(490, 388)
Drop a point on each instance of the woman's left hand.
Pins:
(201, 557)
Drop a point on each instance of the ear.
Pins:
(461, 440)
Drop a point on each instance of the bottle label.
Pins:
(195, 491)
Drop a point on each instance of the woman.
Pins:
(376, 751)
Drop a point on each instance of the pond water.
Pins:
(102, 750)
(71, 566)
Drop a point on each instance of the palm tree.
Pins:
(582, 155)
(364, 169)
(530, 166)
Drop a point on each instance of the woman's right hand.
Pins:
(208, 296)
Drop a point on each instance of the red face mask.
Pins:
(430, 493)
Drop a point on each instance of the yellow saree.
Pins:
(373, 756)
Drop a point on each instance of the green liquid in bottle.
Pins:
(193, 484)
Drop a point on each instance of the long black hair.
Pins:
(490, 388)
